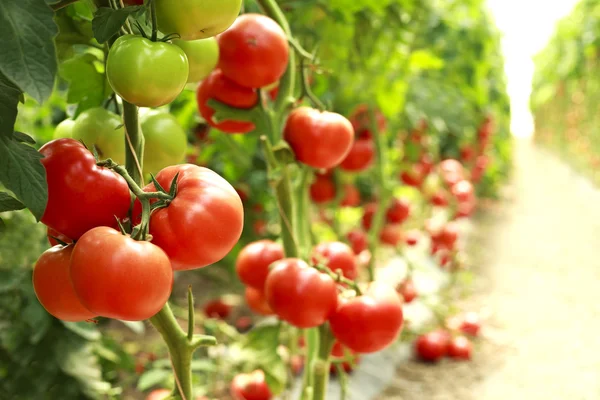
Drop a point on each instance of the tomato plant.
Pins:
(253, 261)
(100, 128)
(202, 55)
(166, 141)
(336, 256)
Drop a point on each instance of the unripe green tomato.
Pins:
(98, 126)
(166, 141)
(196, 19)
(64, 129)
(146, 73)
(203, 56)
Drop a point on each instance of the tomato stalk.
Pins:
(322, 363)
(154, 21)
(384, 192)
(339, 278)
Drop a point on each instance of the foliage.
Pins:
(565, 89)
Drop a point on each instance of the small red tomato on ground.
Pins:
(252, 386)
(360, 157)
(217, 86)
(299, 294)
(117, 277)
(320, 139)
(471, 324)
(358, 240)
(252, 264)
(322, 190)
(431, 346)
(159, 394)
(202, 223)
(254, 51)
(52, 234)
(81, 195)
(460, 348)
(351, 196)
(398, 211)
(408, 290)
(53, 287)
(370, 322)
(217, 309)
(336, 256)
(391, 235)
(257, 301)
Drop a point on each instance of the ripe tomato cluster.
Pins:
(100, 271)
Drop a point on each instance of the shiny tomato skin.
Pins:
(216, 86)
(257, 302)
(299, 294)
(252, 386)
(81, 195)
(320, 139)
(351, 196)
(463, 191)
(398, 211)
(408, 290)
(217, 309)
(322, 190)
(358, 240)
(431, 346)
(254, 51)
(253, 261)
(371, 322)
(204, 220)
(203, 56)
(336, 256)
(53, 287)
(118, 277)
(460, 348)
(360, 157)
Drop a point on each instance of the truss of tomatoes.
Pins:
(304, 297)
(99, 271)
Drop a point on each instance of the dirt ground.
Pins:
(538, 290)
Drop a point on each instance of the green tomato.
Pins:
(166, 141)
(146, 73)
(203, 56)
(196, 19)
(103, 129)
(64, 129)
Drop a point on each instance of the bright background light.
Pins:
(527, 25)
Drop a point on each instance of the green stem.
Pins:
(322, 364)
(302, 213)
(311, 338)
(134, 143)
(154, 21)
(62, 4)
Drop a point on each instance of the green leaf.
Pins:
(107, 21)
(135, 326)
(28, 57)
(87, 83)
(153, 377)
(22, 173)
(23, 137)
(275, 374)
(86, 330)
(9, 100)
(9, 203)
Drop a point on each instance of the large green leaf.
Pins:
(9, 99)
(87, 82)
(28, 52)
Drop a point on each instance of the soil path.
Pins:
(538, 288)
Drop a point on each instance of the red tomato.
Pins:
(413, 177)
(370, 322)
(252, 386)
(336, 256)
(467, 153)
(257, 302)
(297, 364)
(369, 212)
(254, 51)
(51, 234)
(159, 394)
(351, 196)
(53, 287)
(460, 348)
(322, 190)
(398, 211)
(81, 195)
(412, 237)
(463, 191)
(217, 86)
(117, 277)
(448, 236)
(320, 139)
(361, 118)
(471, 324)
(439, 198)
(432, 346)
(391, 235)
(217, 309)
(243, 324)
(299, 294)
(360, 157)
(202, 223)
(260, 227)
(426, 164)
(408, 290)
(358, 240)
(252, 264)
